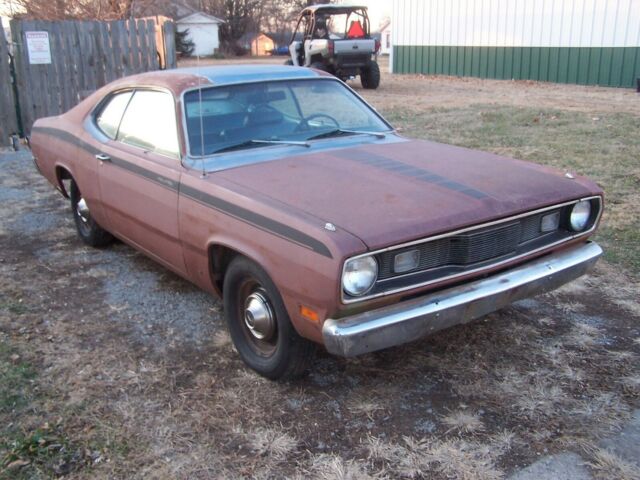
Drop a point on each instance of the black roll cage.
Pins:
(310, 16)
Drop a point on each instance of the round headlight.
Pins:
(359, 275)
(580, 214)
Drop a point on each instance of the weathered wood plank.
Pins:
(101, 77)
(145, 47)
(109, 60)
(8, 120)
(56, 72)
(169, 32)
(125, 48)
(154, 63)
(72, 80)
(132, 34)
(116, 49)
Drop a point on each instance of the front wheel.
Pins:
(288, 62)
(88, 230)
(370, 76)
(259, 324)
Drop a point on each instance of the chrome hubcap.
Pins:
(83, 210)
(258, 316)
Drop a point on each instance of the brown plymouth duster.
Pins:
(284, 192)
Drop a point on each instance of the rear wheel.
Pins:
(370, 76)
(259, 324)
(319, 66)
(88, 230)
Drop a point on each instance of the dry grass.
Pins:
(607, 465)
(272, 443)
(334, 467)
(463, 422)
(451, 458)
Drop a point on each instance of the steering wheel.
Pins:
(304, 124)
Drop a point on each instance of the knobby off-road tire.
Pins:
(254, 308)
(370, 76)
(88, 230)
(319, 66)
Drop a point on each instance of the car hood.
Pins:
(389, 193)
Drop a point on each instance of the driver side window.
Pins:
(150, 123)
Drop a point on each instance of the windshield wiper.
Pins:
(342, 131)
(249, 143)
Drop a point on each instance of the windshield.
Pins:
(293, 110)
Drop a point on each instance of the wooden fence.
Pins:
(85, 55)
(8, 123)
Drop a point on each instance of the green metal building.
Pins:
(590, 42)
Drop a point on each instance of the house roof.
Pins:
(384, 26)
(192, 18)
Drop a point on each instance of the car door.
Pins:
(139, 175)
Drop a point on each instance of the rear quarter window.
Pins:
(109, 117)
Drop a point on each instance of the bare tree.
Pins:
(240, 16)
(83, 9)
(279, 17)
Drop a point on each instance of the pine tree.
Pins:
(184, 45)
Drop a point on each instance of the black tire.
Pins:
(319, 66)
(281, 354)
(370, 76)
(88, 230)
(289, 62)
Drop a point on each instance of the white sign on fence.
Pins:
(38, 47)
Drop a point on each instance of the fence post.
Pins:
(8, 121)
(169, 32)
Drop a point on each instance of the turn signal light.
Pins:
(309, 313)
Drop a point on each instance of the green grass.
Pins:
(605, 148)
(26, 452)
(41, 436)
(16, 379)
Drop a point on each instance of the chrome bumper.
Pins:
(406, 321)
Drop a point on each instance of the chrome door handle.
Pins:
(103, 158)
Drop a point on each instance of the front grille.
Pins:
(469, 248)
(474, 250)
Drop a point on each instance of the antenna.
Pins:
(204, 170)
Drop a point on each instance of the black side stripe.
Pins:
(400, 168)
(257, 220)
(264, 223)
(136, 169)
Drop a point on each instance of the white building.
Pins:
(592, 42)
(385, 38)
(203, 31)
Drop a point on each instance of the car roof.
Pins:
(180, 79)
(334, 8)
(227, 74)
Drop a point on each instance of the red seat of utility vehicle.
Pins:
(355, 30)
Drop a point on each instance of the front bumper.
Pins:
(406, 321)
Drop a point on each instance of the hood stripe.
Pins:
(247, 216)
(400, 168)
